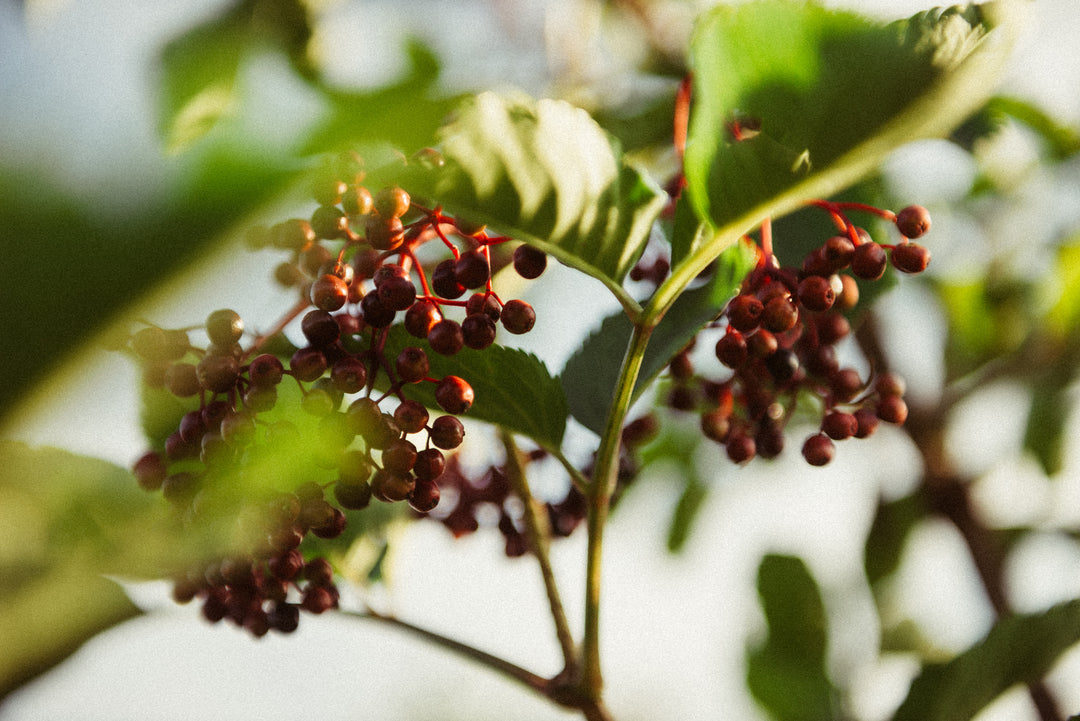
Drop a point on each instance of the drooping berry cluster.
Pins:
(779, 344)
(355, 265)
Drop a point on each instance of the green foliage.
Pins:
(787, 673)
(546, 173)
(1019, 649)
(591, 373)
(64, 521)
(822, 96)
(513, 388)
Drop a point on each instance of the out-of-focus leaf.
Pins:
(1044, 435)
(64, 520)
(546, 173)
(675, 447)
(1061, 140)
(787, 673)
(794, 101)
(199, 68)
(1019, 649)
(988, 318)
(591, 373)
(888, 534)
(406, 113)
(513, 388)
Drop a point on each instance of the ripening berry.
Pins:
(352, 495)
(182, 380)
(216, 373)
(780, 314)
(294, 234)
(349, 375)
(454, 395)
(392, 202)
(384, 233)
(739, 446)
(913, 221)
(265, 370)
(425, 495)
(816, 293)
(412, 365)
(715, 425)
(444, 280)
(744, 313)
(411, 416)
(333, 527)
(839, 425)
(446, 433)
(357, 201)
(420, 318)
(517, 316)
(529, 262)
(224, 327)
(892, 409)
(150, 471)
(329, 292)
(307, 364)
(818, 450)
(375, 313)
(320, 328)
(446, 337)
(430, 464)
(890, 384)
(845, 384)
(731, 349)
(472, 269)
(869, 261)
(910, 257)
(329, 222)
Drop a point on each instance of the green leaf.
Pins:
(1044, 434)
(592, 372)
(64, 520)
(406, 113)
(199, 68)
(513, 388)
(787, 673)
(546, 173)
(1019, 649)
(893, 523)
(826, 96)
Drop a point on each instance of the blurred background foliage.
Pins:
(1002, 308)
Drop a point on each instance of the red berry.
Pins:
(454, 395)
(913, 221)
(744, 312)
(329, 292)
(839, 425)
(892, 409)
(425, 495)
(869, 261)
(518, 316)
(818, 450)
(446, 337)
(816, 293)
(529, 262)
(910, 257)
(446, 433)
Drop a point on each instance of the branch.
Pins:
(538, 533)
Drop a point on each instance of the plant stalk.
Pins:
(600, 490)
(538, 532)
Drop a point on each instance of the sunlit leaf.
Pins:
(787, 673)
(546, 173)
(513, 388)
(1019, 649)
(793, 101)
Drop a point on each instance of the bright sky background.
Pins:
(76, 88)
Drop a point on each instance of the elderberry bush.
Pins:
(356, 268)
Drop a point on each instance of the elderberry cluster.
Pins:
(779, 346)
(355, 265)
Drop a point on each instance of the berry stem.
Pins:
(538, 532)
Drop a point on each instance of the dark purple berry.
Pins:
(744, 313)
(397, 293)
(150, 471)
(216, 373)
(731, 349)
(816, 293)
(420, 318)
(472, 269)
(320, 328)
(518, 316)
(430, 464)
(307, 364)
(478, 331)
(447, 433)
(425, 495)
(265, 370)
(529, 262)
(375, 313)
(352, 495)
(411, 416)
(349, 375)
(412, 365)
(444, 280)
(399, 456)
(869, 261)
(182, 380)
(780, 314)
(446, 337)
(384, 233)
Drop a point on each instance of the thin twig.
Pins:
(537, 530)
